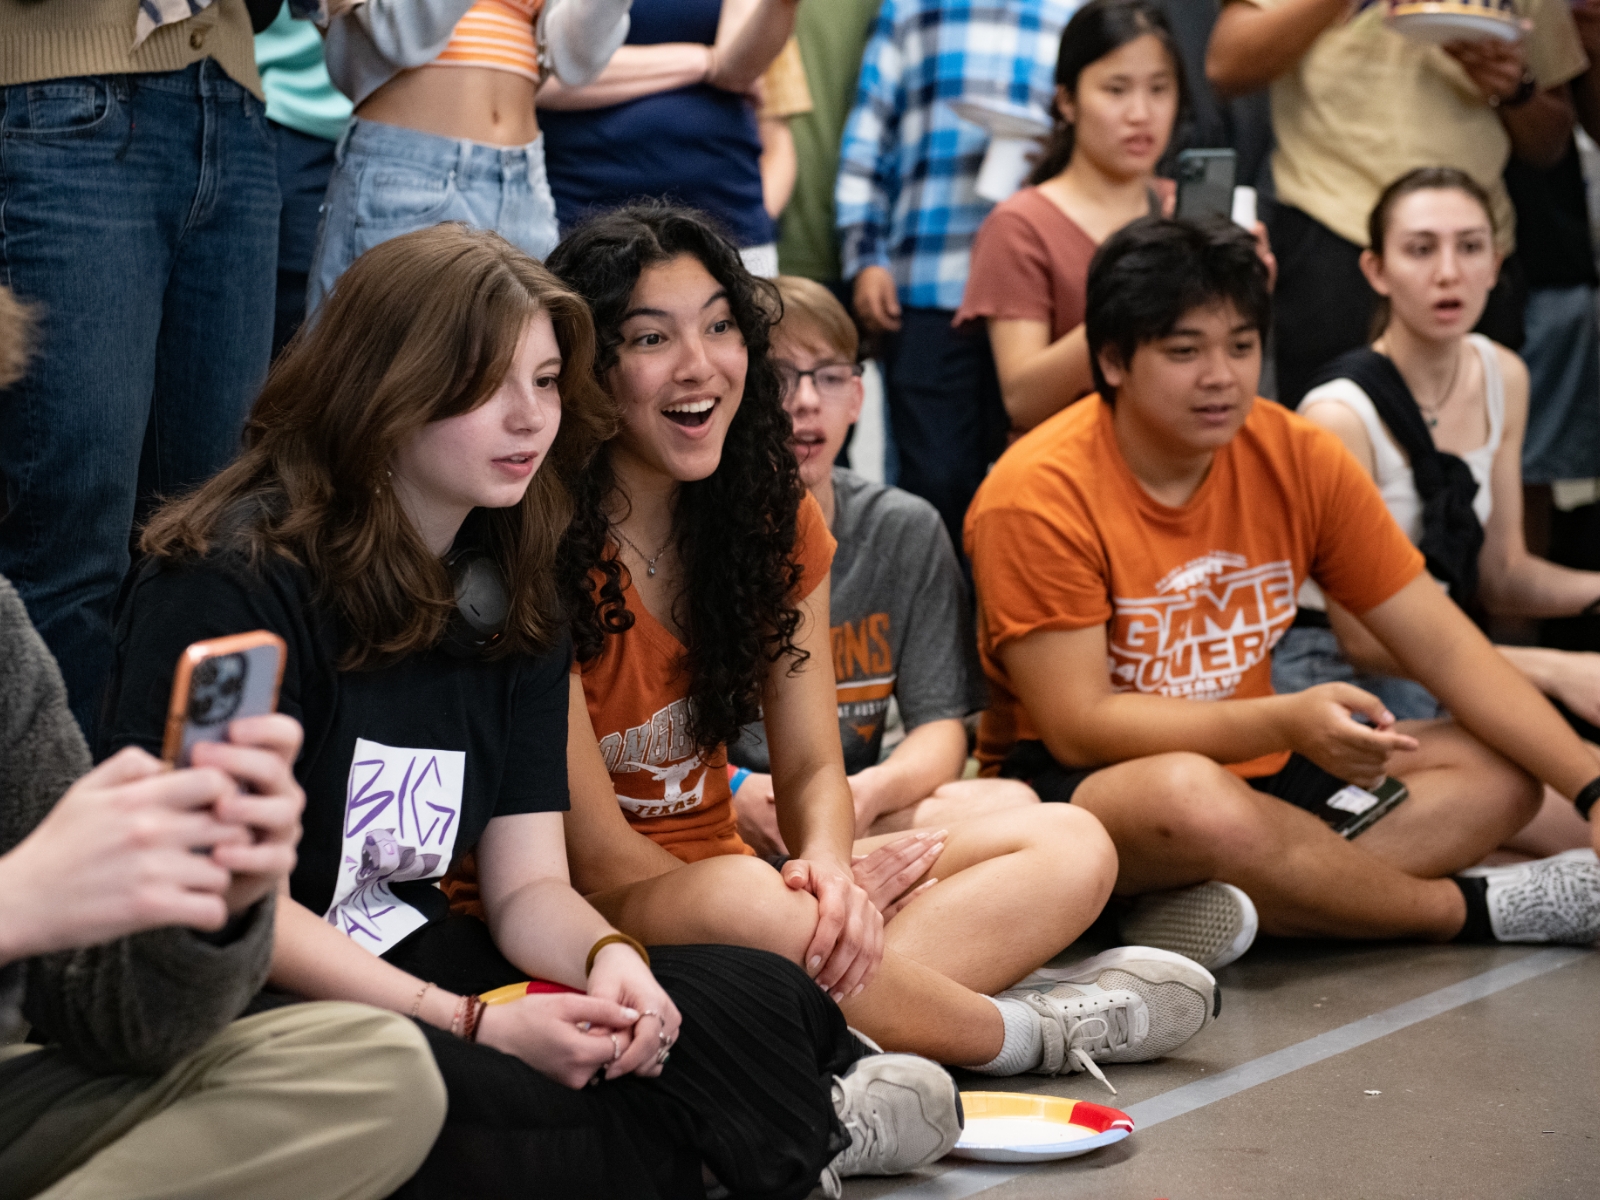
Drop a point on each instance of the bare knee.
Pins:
(1075, 837)
(998, 794)
(751, 906)
(1195, 808)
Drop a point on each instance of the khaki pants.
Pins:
(307, 1102)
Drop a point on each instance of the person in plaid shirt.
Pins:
(907, 209)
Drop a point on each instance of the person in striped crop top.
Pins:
(445, 127)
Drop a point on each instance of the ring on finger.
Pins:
(616, 1050)
(662, 1056)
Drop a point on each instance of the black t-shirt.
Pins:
(402, 767)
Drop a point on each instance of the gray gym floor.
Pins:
(1485, 1061)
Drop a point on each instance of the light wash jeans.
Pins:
(389, 180)
(1306, 657)
(139, 216)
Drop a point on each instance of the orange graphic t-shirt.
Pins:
(1062, 536)
(637, 692)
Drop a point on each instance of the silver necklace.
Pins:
(1431, 415)
(649, 559)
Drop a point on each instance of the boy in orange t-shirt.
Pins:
(1142, 550)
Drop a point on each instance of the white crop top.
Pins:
(1391, 469)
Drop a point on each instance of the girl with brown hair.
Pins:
(394, 519)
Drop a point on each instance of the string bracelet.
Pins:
(588, 963)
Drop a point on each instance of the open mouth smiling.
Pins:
(691, 414)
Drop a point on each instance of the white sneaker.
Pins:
(901, 1112)
(1212, 923)
(1130, 1004)
(1554, 899)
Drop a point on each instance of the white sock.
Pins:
(1023, 1046)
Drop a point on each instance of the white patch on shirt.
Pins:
(1213, 619)
(402, 812)
(662, 749)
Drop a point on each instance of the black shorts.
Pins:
(1301, 782)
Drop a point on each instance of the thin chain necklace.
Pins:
(649, 559)
(1431, 414)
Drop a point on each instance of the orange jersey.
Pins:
(637, 691)
(1062, 537)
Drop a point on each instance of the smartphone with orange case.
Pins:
(219, 681)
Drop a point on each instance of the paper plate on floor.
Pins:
(1014, 1127)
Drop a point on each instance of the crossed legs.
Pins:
(1179, 819)
(1013, 889)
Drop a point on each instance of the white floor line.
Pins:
(967, 1181)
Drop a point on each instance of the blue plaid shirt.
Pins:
(908, 166)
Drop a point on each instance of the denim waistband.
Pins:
(203, 78)
(466, 158)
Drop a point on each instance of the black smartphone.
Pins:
(1205, 183)
(1351, 809)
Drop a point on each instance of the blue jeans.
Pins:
(139, 216)
(389, 180)
(1563, 356)
(944, 404)
(304, 166)
(1305, 657)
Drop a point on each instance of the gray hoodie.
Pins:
(138, 1004)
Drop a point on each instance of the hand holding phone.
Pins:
(223, 715)
(219, 681)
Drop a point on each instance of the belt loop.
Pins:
(344, 140)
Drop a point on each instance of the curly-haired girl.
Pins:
(697, 571)
(411, 445)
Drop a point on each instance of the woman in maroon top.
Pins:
(1119, 91)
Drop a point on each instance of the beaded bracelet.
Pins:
(1584, 801)
(588, 964)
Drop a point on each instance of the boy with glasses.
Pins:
(900, 621)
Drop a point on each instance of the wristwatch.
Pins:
(1522, 95)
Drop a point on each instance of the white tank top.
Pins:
(1392, 471)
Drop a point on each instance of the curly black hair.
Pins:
(735, 530)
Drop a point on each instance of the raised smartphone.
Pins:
(1205, 183)
(218, 681)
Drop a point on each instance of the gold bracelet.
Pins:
(416, 1005)
(588, 964)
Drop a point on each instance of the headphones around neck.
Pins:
(482, 603)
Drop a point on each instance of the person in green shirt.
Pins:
(832, 36)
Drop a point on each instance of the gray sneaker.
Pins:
(901, 1112)
(1554, 899)
(1130, 1004)
(1212, 923)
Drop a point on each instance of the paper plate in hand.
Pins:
(1013, 1127)
(1003, 118)
(1462, 21)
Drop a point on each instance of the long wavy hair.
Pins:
(734, 530)
(420, 328)
(1099, 28)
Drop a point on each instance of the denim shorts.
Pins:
(389, 180)
(1308, 656)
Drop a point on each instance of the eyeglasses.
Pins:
(832, 381)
